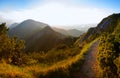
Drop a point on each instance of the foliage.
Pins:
(59, 62)
(35, 69)
(117, 63)
(10, 48)
(109, 52)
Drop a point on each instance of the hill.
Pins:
(75, 32)
(108, 25)
(13, 26)
(60, 30)
(70, 32)
(26, 29)
(107, 34)
(44, 40)
(39, 36)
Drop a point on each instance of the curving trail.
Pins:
(89, 68)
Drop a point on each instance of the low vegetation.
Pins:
(109, 54)
(59, 62)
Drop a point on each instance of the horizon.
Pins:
(58, 12)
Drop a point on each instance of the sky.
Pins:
(58, 12)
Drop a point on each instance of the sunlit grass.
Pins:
(39, 69)
(11, 71)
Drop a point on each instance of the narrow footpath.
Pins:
(89, 68)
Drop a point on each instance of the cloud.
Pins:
(58, 13)
(7, 21)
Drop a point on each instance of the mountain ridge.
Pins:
(39, 35)
(70, 32)
(107, 25)
(44, 40)
(26, 29)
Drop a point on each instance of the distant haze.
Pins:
(83, 27)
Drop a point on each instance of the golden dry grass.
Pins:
(33, 71)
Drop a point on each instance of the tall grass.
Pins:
(60, 69)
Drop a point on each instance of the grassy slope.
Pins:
(62, 68)
(109, 49)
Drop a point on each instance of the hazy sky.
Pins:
(59, 12)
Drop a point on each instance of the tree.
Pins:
(10, 48)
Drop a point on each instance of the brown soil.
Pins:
(89, 68)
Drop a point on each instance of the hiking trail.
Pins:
(89, 68)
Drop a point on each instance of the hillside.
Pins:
(107, 31)
(44, 40)
(108, 25)
(60, 30)
(39, 35)
(26, 29)
(70, 32)
(13, 26)
(75, 32)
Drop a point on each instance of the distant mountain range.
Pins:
(44, 40)
(71, 32)
(39, 35)
(81, 27)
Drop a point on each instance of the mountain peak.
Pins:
(27, 28)
(31, 21)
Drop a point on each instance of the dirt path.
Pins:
(89, 68)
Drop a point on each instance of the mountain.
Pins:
(107, 25)
(60, 30)
(26, 29)
(39, 36)
(75, 32)
(81, 27)
(71, 32)
(13, 25)
(44, 40)
(107, 36)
